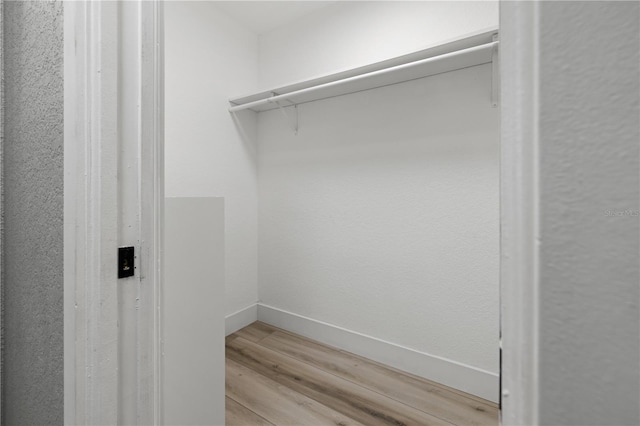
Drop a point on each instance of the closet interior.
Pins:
(356, 148)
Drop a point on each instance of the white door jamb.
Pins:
(92, 195)
(519, 212)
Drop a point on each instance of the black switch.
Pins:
(125, 262)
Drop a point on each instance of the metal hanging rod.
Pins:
(488, 47)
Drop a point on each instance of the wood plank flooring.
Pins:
(278, 378)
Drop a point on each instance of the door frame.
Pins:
(91, 194)
(93, 191)
(519, 212)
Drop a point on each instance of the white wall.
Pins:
(589, 128)
(193, 318)
(581, 100)
(349, 34)
(32, 212)
(208, 56)
(382, 215)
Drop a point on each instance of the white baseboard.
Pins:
(450, 373)
(240, 319)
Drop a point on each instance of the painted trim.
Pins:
(520, 235)
(150, 77)
(94, 197)
(90, 213)
(158, 90)
(442, 370)
(240, 319)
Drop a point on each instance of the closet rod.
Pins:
(286, 96)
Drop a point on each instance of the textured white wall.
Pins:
(589, 71)
(33, 213)
(349, 34)
(381, 215)
(208, 57)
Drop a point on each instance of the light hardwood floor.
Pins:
(278, 378)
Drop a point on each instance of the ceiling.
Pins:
(264, 16)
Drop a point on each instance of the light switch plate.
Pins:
(126, 262)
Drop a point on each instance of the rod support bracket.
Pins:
(291, 119)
